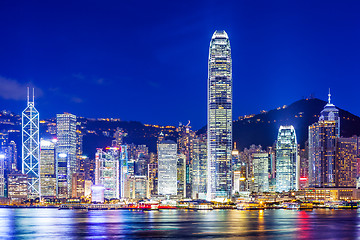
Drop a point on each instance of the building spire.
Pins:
(33, 95)
(27, 95)
(329, 95)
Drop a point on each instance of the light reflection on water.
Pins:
(216, 224)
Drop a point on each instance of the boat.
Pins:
(343, 205)
(306, 205)
(202, 207)
(249, 206)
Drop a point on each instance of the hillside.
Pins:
(262, 128)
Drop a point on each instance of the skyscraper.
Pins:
(287, 160)
(322, 147)
(167, 167)
(219, 124)
(107, 171)
(181, 176)
(331, 113)
(346, 161)
(261, 172)
(66, 153)
(47, 169)
(124, 169)
(31, 146)
(185, 146)
(199, 167)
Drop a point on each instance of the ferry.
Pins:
(202, 207)
(249, 206)
(344, 205)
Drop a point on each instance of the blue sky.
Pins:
(147, 60)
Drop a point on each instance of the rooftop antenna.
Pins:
(33, 95)
(28, 95)
(329, 95)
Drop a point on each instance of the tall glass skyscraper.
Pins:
(47, 169)
(31, 147)
(167, 162)
(65, 153)
(107, 171)
(219, 124)
(287, 160)
(322, 147)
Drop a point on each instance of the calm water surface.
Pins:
(179, 224)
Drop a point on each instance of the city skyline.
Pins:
(115, 141)
(69, 65)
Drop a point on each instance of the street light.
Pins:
(2, 156)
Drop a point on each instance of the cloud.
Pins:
(79, 76)
(100, 81)
(76, 100)
(11, 89)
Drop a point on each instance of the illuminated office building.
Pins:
(219, 124)
(31, 147)
(322, 147)
(185, 146)
(80, 186)
(107, 171)
(2, 174)
(124, 170)
(167, 168)
(139, 187)
(331, 113)
(153, 174)
(199, 168)
(181, 176)
(261, 174)
(47, 169)
(346, 162)
(287, 160)
(18, 187)
(65, 153)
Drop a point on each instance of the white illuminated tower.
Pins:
(31, 146)
(287, 160)
(65, 153)
(219, 123)
(167, 165)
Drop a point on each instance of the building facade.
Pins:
(47, 169)
(346, 162)
(167, 167)
(287, 160)
(219, 121)
(65, 153)
(199, 168)
(322, 147)
(31, 147)
(261, 172)
(107, 171)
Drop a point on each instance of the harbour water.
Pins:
(28, 223)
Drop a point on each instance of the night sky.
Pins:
(147, 60)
